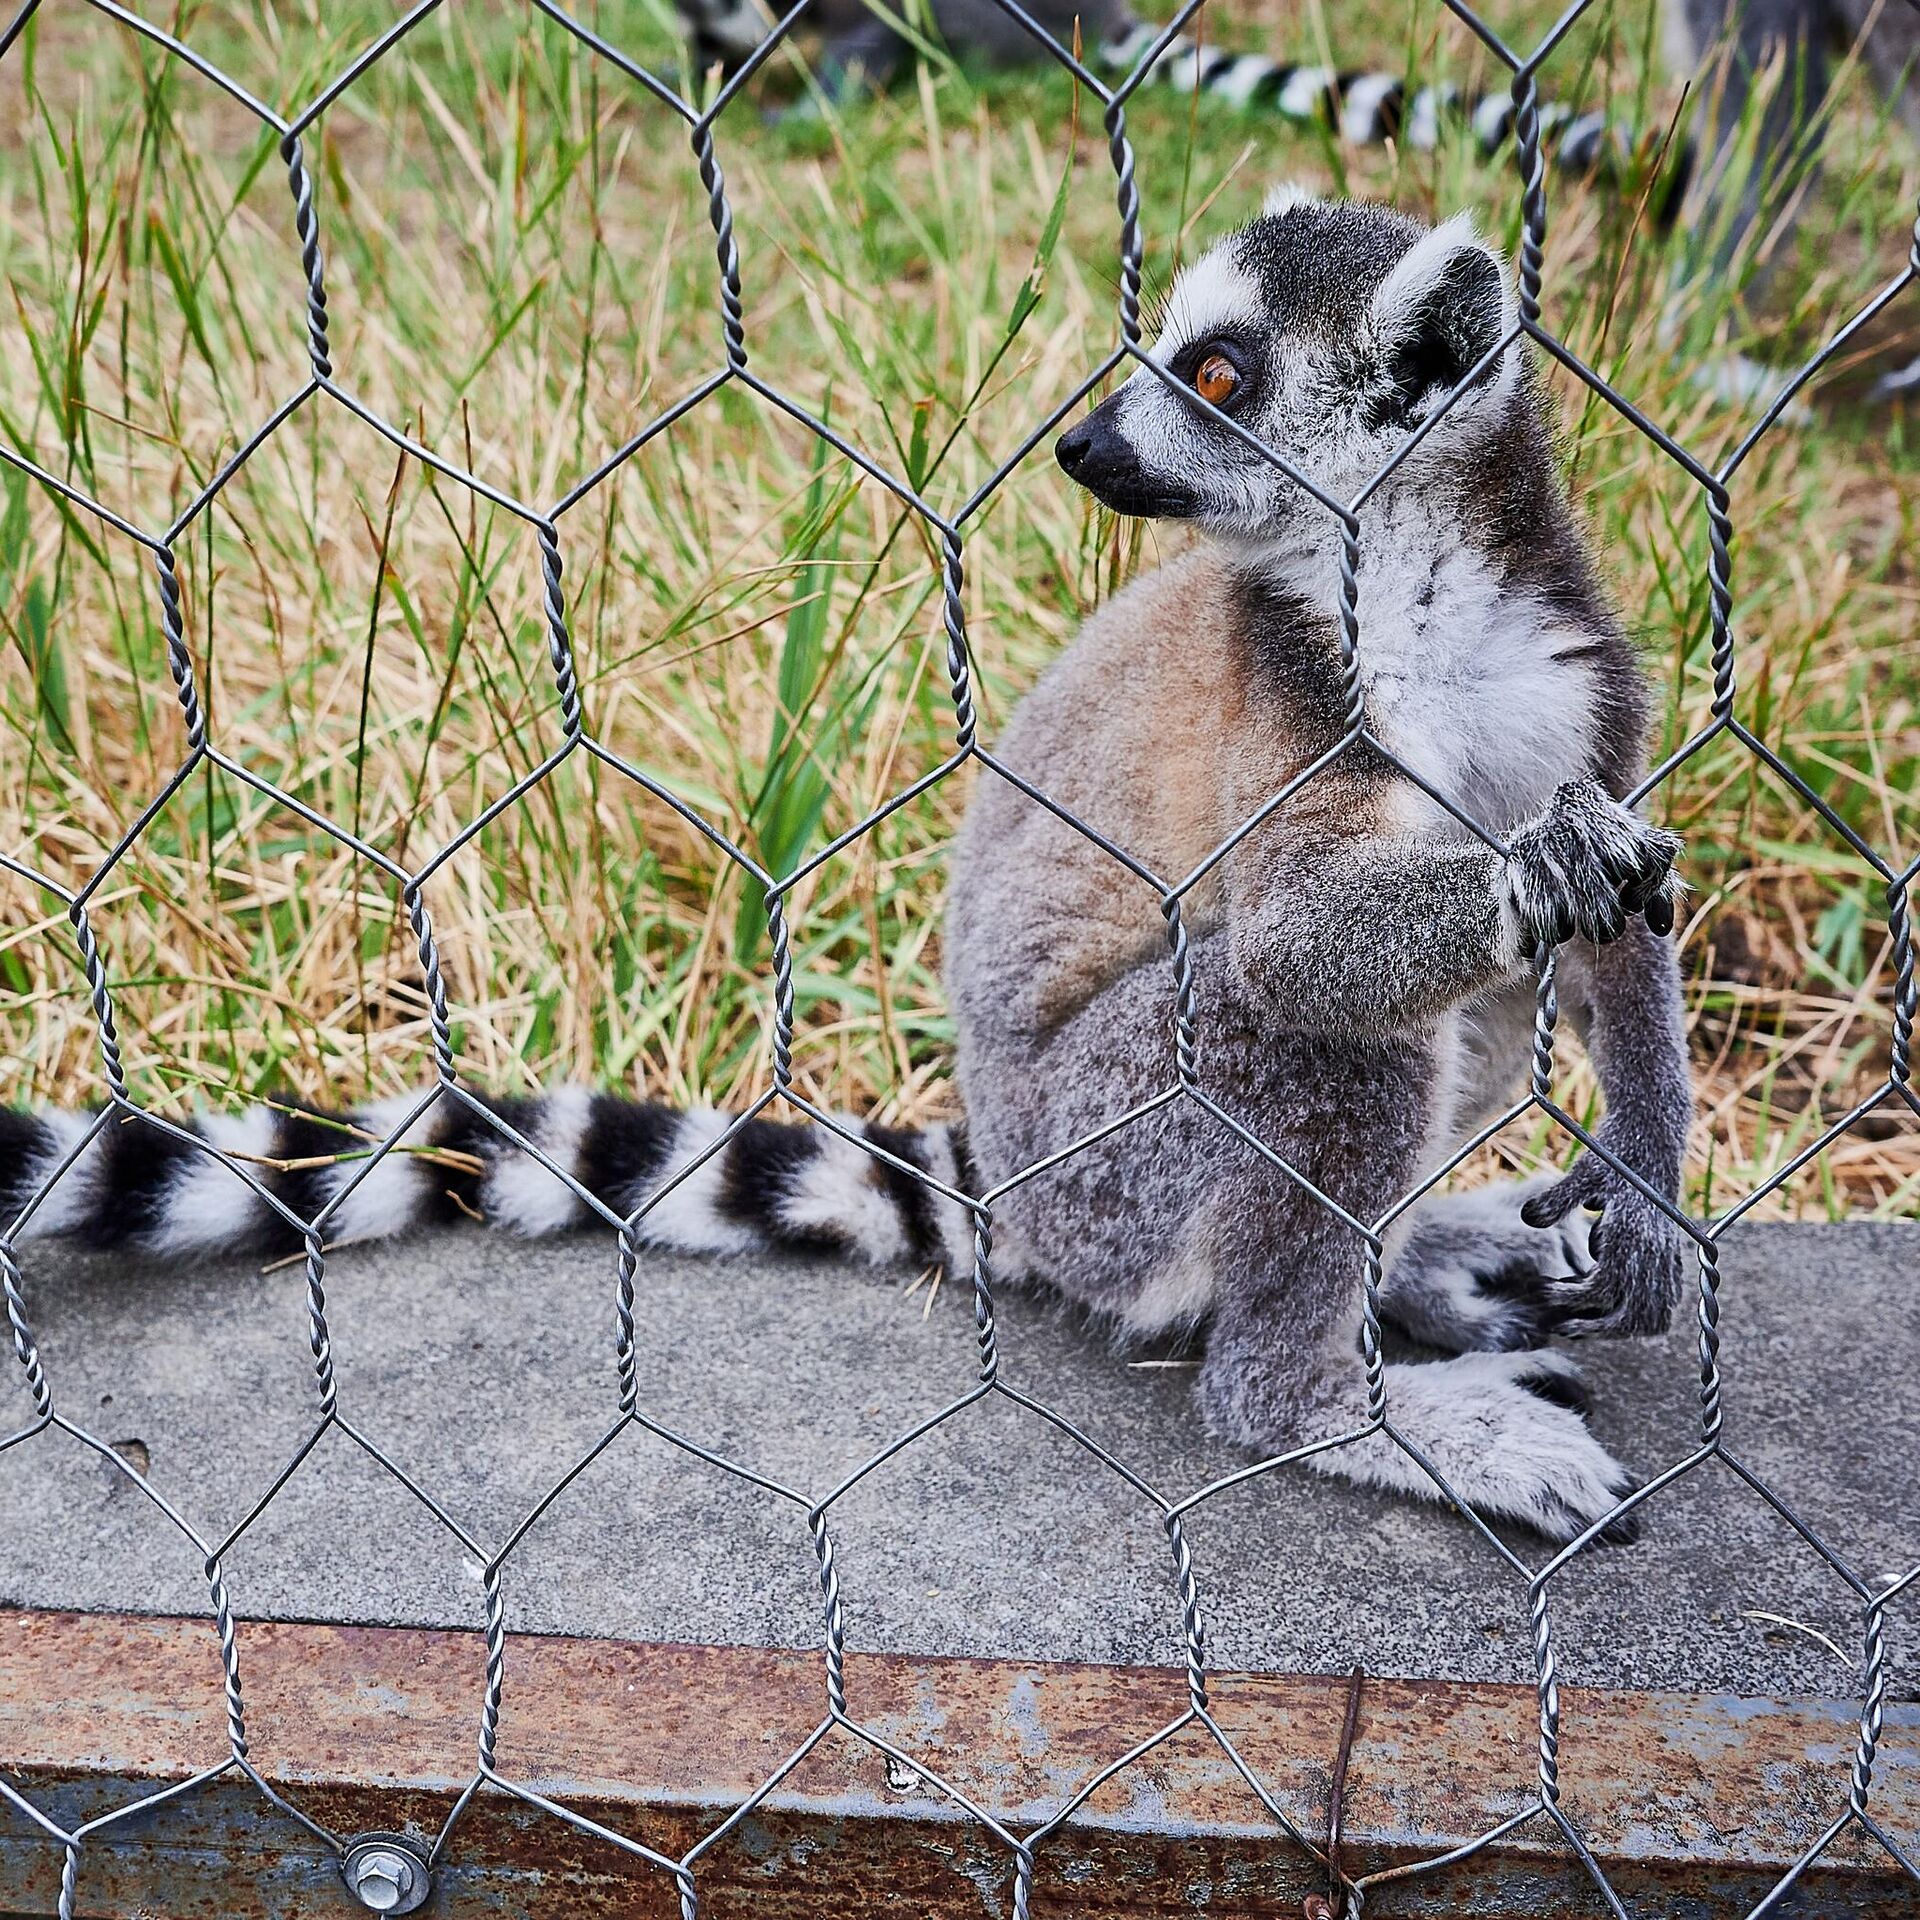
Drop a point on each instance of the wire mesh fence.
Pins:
(384, 1879)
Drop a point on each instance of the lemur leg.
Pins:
(1625, 1002)
(1283, 1366)
(1505, 1430)
(863, 59)
(1775, 51)
(1472, 1276)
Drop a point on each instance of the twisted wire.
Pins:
(1900, 927)
(439, 1018)
(1546, 1018)
(1720, 597)
(1533, 194)
(179, 662)
(559, 641)
(1547, 1689)
(111, 1063)
(1355, 693)
(836, 1621)
(1127, 196)
(1873, 1708)
(306, 226)
(1192, 1631)
(983, 1296)
(1710, 1409)
(783, 1009)
(319, 1339)
(1372, 1354)
(24, 1348)
(496, 1680)
(1186, 1050)
(733, 325)
(626, 1363)
(1023, 1883)
(954, 616)
(229, 1658)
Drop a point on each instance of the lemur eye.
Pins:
(1215, 379)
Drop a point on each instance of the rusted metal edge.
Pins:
(1694, 1804)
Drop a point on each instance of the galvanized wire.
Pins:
(1025, 1854)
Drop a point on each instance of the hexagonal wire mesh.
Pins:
(735, 369)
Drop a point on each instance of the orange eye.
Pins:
(1215, 379)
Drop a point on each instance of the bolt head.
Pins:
(385, 1877)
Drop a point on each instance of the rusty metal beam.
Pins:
(1694, 1804)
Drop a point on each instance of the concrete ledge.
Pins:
(1711, 1675)
(484, 1369)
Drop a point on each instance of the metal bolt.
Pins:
(385, 1874)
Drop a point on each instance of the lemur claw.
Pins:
(1635, 1254)
(1585, 867)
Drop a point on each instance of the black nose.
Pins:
(1072, 448)
(1099, 457)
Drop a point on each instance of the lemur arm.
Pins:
(1348, 931)
(1625, 1002)
(1373, 935)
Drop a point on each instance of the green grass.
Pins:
(521, 273)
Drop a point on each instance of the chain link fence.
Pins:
(384, 1882)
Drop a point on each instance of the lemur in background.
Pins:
(1784, 49)
(1369, 108)
(1782, 52)
(1363, 964)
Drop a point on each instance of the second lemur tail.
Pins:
(769, 1184)
(1369, 108)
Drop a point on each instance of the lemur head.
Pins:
(1331, 331)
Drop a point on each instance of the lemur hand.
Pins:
(1585, 866)
(1638, 1254)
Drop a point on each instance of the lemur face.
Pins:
(1330, 333)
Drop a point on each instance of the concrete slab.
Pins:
(484, 1369)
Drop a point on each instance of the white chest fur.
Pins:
(1458, 671)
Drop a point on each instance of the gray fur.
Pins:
(1783, 52)
(1359, 958)
(1473, 1276)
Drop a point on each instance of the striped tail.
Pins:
(1371, 108)
(765, 1184)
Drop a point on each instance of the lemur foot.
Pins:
(1475, 1277)
(1508, 1433)
(1637, 1252)
(1585, 866)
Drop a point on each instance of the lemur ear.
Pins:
(1437, 315)
(1284, 195)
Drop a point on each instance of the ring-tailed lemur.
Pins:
(1365, 107)
(1360, 961)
